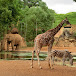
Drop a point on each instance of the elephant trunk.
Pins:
(3, 44)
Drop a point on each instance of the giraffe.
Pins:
(46, 39)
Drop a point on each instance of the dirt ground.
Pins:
(71, 49)
(22, 67)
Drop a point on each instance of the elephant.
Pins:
(14, 31)
(14, 40)
(3, 45)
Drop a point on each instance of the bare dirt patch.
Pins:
(71, 49)
(22, 68)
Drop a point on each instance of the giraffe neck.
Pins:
(56, 29)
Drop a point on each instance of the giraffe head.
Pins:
(66, 21)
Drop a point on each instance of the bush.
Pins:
(74, 35)
(30, 44)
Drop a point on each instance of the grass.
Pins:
(30, 44)
(67, 64)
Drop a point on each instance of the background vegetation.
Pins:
(31, 17)
(71, 17)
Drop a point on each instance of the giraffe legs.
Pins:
(49, 51)
(32, 59)
(52, 61)
(37, 53)
(49, 60)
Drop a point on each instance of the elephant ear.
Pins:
(5, 36)
(8, 37)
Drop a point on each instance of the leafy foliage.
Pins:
(37, 16)
(74, 0)
(9, 13)
(59, 17)
(31, 3)
(31, 17)
(28, 16)
(74, 35)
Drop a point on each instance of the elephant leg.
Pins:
(18, 47)
(12, 44)
(13, 48)
(8, 46)
(7, 56)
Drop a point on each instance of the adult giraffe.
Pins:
(46, 39)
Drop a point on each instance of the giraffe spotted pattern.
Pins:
(46, 39)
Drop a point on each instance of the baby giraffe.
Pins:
(64, 54)
(46, 39)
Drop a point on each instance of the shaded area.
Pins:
(21, 55)
(26, 55)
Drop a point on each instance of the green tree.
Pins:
(71, 17)
(31, 3)
(9, 13)
(74, 0)
(37, 16)
(9, 10)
